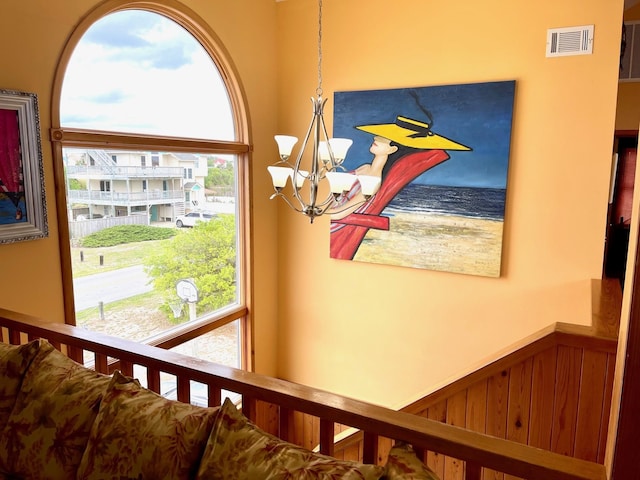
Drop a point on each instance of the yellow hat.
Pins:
(412, 133)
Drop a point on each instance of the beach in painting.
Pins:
(441, 242)
(450, 229)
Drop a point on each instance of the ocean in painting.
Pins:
(449, 229)
(8, 211)
(462, 201)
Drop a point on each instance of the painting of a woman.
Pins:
(440, 204)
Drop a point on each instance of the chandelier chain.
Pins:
(319, 89)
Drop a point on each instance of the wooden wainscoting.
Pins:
(554, 394)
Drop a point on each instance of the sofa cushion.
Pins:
(139, 434)
(239, 450)
(49, 425)
(14, 361)
(404, 464)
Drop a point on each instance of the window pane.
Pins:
(139, 72)
(139, 266)
(219, 346)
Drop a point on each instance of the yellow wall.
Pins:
(33, 34)
(380, 332)
(628, 106)
(389, 334)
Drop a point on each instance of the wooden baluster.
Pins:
(370, 448)
(184, 390)
(287, 424)
(249, 407)
(214, 395)
(421, 453)
(153, 380)
(126, 368)
(101, 363)
(14, 337)
(473, 471)
(327, 441)
(76, 354)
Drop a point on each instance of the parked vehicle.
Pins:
(190, 219)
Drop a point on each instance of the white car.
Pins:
(190, 219)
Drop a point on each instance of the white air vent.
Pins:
(570, 41)
(630, 53)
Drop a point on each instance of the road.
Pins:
(110, 286)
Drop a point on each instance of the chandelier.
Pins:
(306, 175)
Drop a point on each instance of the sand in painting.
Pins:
(436, 242)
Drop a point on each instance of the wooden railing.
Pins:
(551, 392)
(260, 393)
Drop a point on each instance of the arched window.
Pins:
(151, 155)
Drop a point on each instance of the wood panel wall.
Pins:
(553, 394)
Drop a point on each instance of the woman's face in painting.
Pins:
(382, 146)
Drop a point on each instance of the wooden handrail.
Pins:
(478, 449)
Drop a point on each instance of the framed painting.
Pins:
(440, 158)
(23, 214)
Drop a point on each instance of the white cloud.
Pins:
(157, 79)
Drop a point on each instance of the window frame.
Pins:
(62, 137)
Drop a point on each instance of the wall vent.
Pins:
(630, 53)
(562, 42)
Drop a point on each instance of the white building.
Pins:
(117, 183)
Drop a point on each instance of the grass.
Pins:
(119, 256)
(145, 300)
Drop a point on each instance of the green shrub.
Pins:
(126, 234)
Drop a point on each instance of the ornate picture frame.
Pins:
(23, 209)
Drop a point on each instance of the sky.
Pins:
(139, 72)
(476, 115)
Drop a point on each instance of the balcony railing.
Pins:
(124, 172)
(124, 197)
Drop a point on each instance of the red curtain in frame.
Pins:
(10, 158)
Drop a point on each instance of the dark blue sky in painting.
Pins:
(477, 115)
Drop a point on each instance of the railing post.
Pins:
(473, 471)
(214, 396)
(76, 354)
(153, 380)
(249, 407)
(126, 368)
(101, 363)
(369, 448)
(184, 389)
(287, 424)
(327, 441)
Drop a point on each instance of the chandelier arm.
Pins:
(332, 157)
(315, 155)
(286, 199)
(313, 174)
(355, 205)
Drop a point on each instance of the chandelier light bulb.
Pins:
(340, 182)
(340, 147)
(280, 175)
(285, 145)
(369, 184)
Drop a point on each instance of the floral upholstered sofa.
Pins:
(60, 420)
